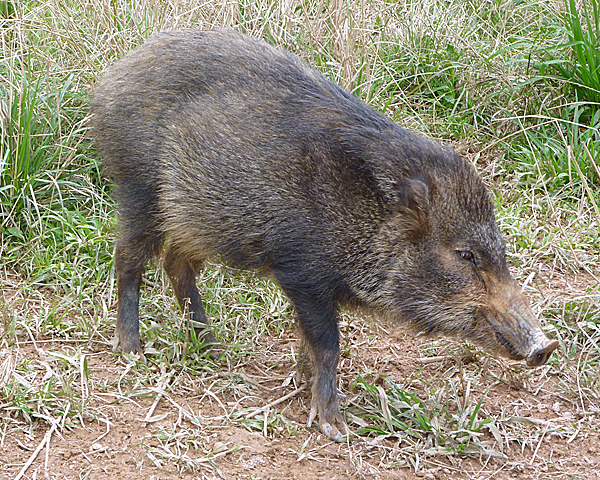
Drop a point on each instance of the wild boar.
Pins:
(220, 145)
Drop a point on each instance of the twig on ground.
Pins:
(105, 433)
(428, 360)
(45, 440)
(301, 388)
(161, 391)
(538, 446)
(182, 411)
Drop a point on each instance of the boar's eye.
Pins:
(466, 255)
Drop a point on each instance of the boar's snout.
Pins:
(541, 355)
(516, 328)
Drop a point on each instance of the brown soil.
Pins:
(118, 443)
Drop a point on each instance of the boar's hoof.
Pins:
(130, 348)
(208, 341)
(541, 355)
(334, 433)
(332, 424)
(215, 353)
(133, 357)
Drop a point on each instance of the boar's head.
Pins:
(445, 259)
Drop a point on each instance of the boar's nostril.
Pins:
(541, 356)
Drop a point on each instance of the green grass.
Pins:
(444, 423)
(582, 69)
(513, 85)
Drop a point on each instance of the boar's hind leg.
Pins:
(132, 251)
(318, 324)
(183, 280)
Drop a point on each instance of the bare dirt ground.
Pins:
(131, 428)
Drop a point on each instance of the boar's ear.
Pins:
(408, 200)
(412, 202)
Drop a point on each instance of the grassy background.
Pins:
(513, 85)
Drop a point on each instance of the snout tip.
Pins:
(541, 355)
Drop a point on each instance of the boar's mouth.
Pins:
(512, 351)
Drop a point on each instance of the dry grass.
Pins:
(454, 70)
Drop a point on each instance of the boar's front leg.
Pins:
(321, 342)
(318, 325)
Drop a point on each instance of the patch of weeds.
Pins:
(54, 386)
(53, 219)
(428, 76)
(271, 423)
(430, 426)
(578, 331)
(29, 135)
(186, 449)
(176, 345)
(549, 187)
(243, 309)
(244, 304)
